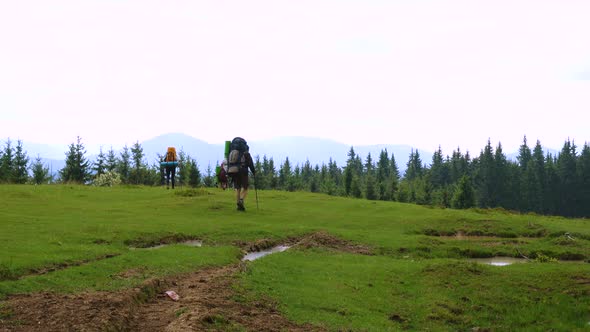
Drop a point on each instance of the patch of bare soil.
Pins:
(314, 240)
(61, 266)
(326, 240)
(206, 303)
(80, 312)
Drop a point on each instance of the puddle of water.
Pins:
(498, 261)
(258, 254)
(190, 243)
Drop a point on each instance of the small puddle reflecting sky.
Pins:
(258, 254)
(190, 243)
(498, 261)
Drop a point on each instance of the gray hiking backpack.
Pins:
(236, 157)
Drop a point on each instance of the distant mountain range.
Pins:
(297, 149)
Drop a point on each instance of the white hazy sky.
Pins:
(415, 72)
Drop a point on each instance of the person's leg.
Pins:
(173, 176)
(237, 184)
(167, 177)
(238, 194)
(244, 189)
(245, 186)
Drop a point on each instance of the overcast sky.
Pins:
(415, 72)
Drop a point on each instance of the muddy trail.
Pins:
(207, 302)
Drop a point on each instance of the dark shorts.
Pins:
(240, 180)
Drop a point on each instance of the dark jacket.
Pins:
(248, 163)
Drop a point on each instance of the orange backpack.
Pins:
(171, 154)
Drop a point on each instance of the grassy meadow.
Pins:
(64, 238)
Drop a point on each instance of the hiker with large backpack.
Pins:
(239, 161)
(170, 163)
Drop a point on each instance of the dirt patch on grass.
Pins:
(207, 302)
(319, 239)
(94, 311)
(326, 240)
(149, 240)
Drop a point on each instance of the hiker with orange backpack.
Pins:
(239, 161)
(170, 163)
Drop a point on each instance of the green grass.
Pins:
(376, 293)
(418, 276)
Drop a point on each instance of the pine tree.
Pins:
(6, 162)
(209, 179)
(335, 172)
(503, 196)
(551, 195)
(464, 197)
(566, 171)
(583, 169)
(40, 172)
(537, 193)
(355, 187)
(438, 170)
(485, 180)
(414, 166)
(111, 160)
(285, 175)
(458, 166)
(124, 165)
(307, 175)
(349, 171)
(271, 174)
(138, 170)
(183, 170)
(194, 177)
(100, 165)
(20, 173)
(77, 168)
(383, 173)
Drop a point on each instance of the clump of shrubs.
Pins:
(108, 179)
(541, 258)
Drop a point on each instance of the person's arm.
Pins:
(251, 164)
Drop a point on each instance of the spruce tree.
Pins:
(194, 177)
(503, 196)
(371, 188)
(551, 198)
(285, 175)
(20, 173)
(583, 192)
(138, 170)
(6, 162)
(566, 171)
(209, 179)
(77, 168)
(100, 165)
(438, 173)
(464, 197)
(382, 174)
(485, 178)
(111, 160)
(124, 165)
(306, 175)
(537, 197)
(40, 172)
(355, 187)
(414, 166)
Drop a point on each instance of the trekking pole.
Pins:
(256, 190)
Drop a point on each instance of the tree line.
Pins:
(536, 182)
(110, 168)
